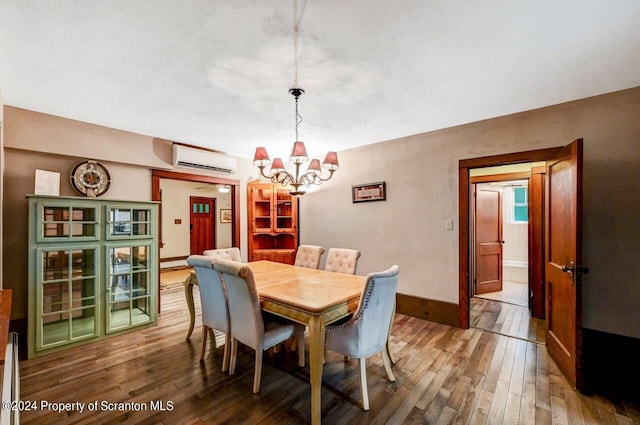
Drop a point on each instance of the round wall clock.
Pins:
(90, 178)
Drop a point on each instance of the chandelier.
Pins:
(313, 174)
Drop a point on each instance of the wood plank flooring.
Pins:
(444, 375)
(506, 319)
(512, 293)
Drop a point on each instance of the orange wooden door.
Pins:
(488, 249)
(564, 260)
(202, 224)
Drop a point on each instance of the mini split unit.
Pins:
(185, 156)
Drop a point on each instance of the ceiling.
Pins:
(216, 73)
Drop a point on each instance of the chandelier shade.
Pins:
(261, 157)
(298, 153)
(331, 161)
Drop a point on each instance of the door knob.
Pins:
(572, 268)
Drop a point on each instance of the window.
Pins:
(520, 205)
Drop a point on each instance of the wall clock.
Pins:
(90, 178)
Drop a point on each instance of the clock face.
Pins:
(90, 178)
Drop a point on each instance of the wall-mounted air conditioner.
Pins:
(204, 160)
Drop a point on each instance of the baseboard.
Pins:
(432, 310)
(514, 263)
(178, 258)
(610, 365)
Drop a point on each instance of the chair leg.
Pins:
(387, 348)
(205, 334)
(300, 343)
(232, 356)
(258, 371)
(363, 383)
(387, 365)
(388, 344)
(226, 353)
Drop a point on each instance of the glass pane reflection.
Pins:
(83, 323)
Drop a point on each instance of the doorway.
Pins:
(557, 241)
(232, 213)
(500, 219)
(501, 298)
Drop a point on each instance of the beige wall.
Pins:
(516, 239)
(421, 172)
(38, 132)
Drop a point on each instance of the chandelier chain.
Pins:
(298, 118)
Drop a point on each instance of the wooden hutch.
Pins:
(273, 222)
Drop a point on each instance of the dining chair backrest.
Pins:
(213, 295)
(366, 332)
(342, 260)
(309, 256)
(245, 312)
(224, 253)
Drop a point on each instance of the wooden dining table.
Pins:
(312, 297)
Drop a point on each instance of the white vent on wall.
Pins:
(203, 160)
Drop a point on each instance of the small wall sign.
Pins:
(369, 192)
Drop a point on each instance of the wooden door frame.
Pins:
(156, 175)
(464, 237)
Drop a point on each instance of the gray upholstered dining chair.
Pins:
(232, 254)
(366, 332)
(342, 260)
(309, 256)
(213, 299)
(250, 325)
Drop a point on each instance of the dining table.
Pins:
(312, 297)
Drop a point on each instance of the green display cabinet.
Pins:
(93, 270)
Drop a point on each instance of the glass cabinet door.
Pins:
(123, 222)
(68, 307)
(262, 220)
(285, 210)
(129, 286)
(65, 222)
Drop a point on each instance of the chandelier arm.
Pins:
(310, 178)
(281, 177)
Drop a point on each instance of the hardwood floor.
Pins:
(512, 293)
(506, 319)
(444, 375)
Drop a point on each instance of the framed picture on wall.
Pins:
(369, 192)
(225, 216)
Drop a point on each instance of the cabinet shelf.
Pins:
(273, 225)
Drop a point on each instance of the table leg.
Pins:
(188, 294)
(316, 354)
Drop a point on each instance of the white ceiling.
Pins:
(216, 73)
